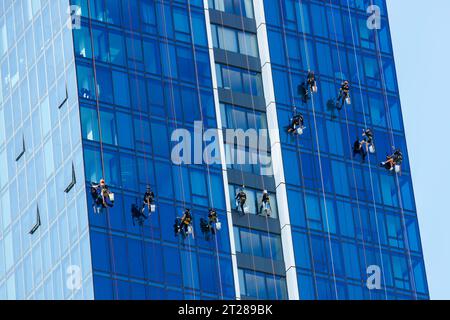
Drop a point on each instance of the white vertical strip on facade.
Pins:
(222, 151)
(272, 119)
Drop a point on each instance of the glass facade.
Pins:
(150, 62)
(102, 99)
(40, 152)
(346, 215)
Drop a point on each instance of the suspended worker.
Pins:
(368, 140)
(185, 223)
(344, 95)
(311, 81)
(149, 200)
(358, 149)
(265, 204)
(296, 124)
(393, 162)
(137, 215)
(211, 225)
(102, 197)
(241, 200)
(213, 220)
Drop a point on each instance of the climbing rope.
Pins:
(176, 126)
(369, 162)
(211, 197)
(391, 131)
(319, 157)
(109, 230)
(262, 177)
(349, 141)
(240, 166)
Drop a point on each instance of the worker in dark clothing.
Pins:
(186, 222)
(265, 204)
(358, 149)
(393, 161)
(149, 201)
(296, 124)
(213, 220)
(344, 95)
(311, 81)
(368, 141)
(241, 200)
(103, 198)
(211, 225)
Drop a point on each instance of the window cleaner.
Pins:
(344, 95)
(149, 201)
(103, 198)
(241, 201)
(296, 125)
(265, 207)
(393, 162)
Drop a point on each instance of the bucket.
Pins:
(348, 100)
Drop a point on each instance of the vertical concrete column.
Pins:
(277, 160)
(222, 151)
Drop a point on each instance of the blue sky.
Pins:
(420, 31)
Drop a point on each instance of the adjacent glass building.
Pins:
(93, 89)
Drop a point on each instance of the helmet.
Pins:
(102, 181)
(265, 192)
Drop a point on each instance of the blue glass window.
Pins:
(238, 7)
(234, 40)
(257, 243)
(239, 80)
(257, 285)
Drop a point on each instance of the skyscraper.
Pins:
(107, 89)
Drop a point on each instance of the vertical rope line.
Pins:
(297, 144)
(255, 125)
(388, 115)
(111, 243)
(143, 251)
(204, 143)
(369, 162)
(319, 158)
(349, 141)
(232, 153)
(176, 126)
